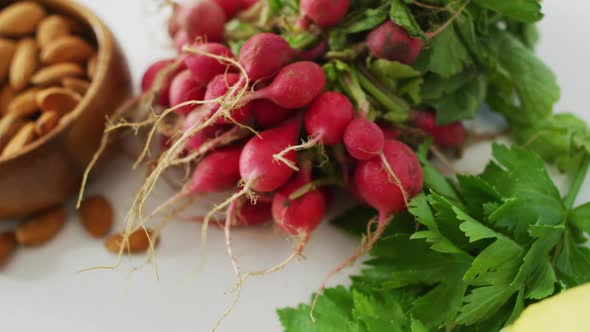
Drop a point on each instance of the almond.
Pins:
(24, 136)
(91, 67)
(60, 100)
(7, 246)
(24, 104)
(24, 63)
(6, 96)
(42, 228)
(78, 85)
(46, 122)
(96, 215)
(66, 49)
(55, 73)
(7, 49)
(9, 125)
(138, 241)
(51, 28)
(20, 18)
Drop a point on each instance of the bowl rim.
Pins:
(105, 48)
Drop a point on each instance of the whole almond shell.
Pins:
(24, 136)
(66, 49)
(20, 18)
(46, 122)
(57, 99)
(7, 49)
(55, 73)
(24, 104)
(96, 215)
(52, 28)
(40, 229)
(24, 63)
(138, 242)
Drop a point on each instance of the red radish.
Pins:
(391, 42)
(264, 54)
(180, 40)
(249, 214)
(205, 135)
(328, 116)
(445, 136)
(315, 52)
(295, 86)
(258, 168)
(301, 216)
(151, 74)
(204, 67)
(217, 172)
(219, 86)
(387, 196)
(183, 89)
(201, 19)
(326, 119)
(230, 7)
(296, 217)
(363, 139)
(324, 13)
(388, 191)
(268, 114)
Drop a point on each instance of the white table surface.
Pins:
(40, 290)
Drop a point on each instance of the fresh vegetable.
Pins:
(363, 139)
(370, 81)
(391, 42)
(264, 55)
(203, 66)
(324, 13)
(182, 89)
(201, 19)
(469, 256)
(295, 85)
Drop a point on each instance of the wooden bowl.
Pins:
(49, 170)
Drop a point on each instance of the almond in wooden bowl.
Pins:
(45, 172)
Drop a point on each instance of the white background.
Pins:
(40, 290)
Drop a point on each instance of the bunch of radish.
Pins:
(263, 123)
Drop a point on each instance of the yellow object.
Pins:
(565, 312)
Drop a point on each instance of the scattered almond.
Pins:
(138, 241)
(78, 85)
(10, 124)
(40, 229)
(91, 68)
(6, 96)
(7, 246)
(96, 215)
(24, 136)
(52, 28)
(55, 73)
(7, 49)
(24, 104)
(24, 63)
(58, 99)
(66, 49)
(20, 18)
(46, 122)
